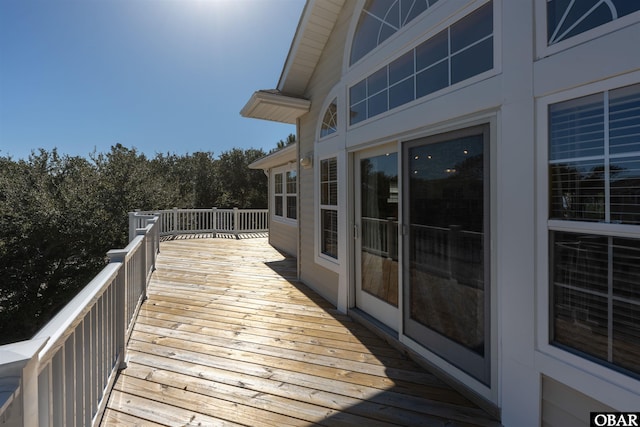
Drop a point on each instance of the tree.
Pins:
(240, 186)
(49, 246)
(59, 215)
(284, 143)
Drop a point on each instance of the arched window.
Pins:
(330, 120)
(380, 19)
(566, 19)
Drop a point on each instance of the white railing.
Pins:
(63, 375)
(380, 236)
(192, 221)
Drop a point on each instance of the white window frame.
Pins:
(594, 379)
(337, 119)
(322, 258)
(543, 50)
(283, 170)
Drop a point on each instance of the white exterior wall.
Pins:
(607, 59)
(512, 98)
(322, 278)
(283, 236)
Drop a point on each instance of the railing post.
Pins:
(120, 255)
(236, 223)
(145, 269)
(175, 220)
(215, 221)
(132, 225)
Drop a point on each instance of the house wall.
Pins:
(283, 237)
(328, 72)
(532, 382)
(563, 406)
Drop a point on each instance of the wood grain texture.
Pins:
(229, 337)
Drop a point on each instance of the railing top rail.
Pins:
(73, 313)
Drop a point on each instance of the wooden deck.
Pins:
(228, 337)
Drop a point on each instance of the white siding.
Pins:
(283, 237)
(563, 406)
(326, 75)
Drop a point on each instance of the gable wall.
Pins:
(326, 76)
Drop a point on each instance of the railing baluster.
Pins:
(70, 385)
(44, 397)
(57, 389)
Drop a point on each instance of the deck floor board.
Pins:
(228, 337)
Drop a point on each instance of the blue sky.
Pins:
(158, 75)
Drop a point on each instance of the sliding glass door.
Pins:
(446, 267)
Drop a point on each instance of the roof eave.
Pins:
(281, 157)
(312, 34)
(272, 105)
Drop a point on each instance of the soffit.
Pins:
(278, 158)
(273, 105)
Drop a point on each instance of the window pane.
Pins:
(358, 92)
(581, 261)
(291, 207)
(446, 233)
(433, 50)
(329, 245)
(624, 119)
(365, 38)
(472, 28)
(576, 128)
(409, 9)
(291, 182)
(624, 176)
(332, 169)
(333, 194)
(472, 61)
(596, 289)
(626, 272)
(277, 183)
(358, 113)
(324, 170)
(432, 79)
(401, 68)
(329, 182)
(577, 191)
(377, 81)
(382, 8)
(626, 335)
(401, 93)
(580, 321)
(378, 104)
(278, 206)
(330, 120)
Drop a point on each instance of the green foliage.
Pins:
(59, 215)
(284, 143)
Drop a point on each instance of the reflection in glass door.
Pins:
(377, 247)
(446, 278)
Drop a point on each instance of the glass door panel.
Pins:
(377, 247)
(446, 296)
